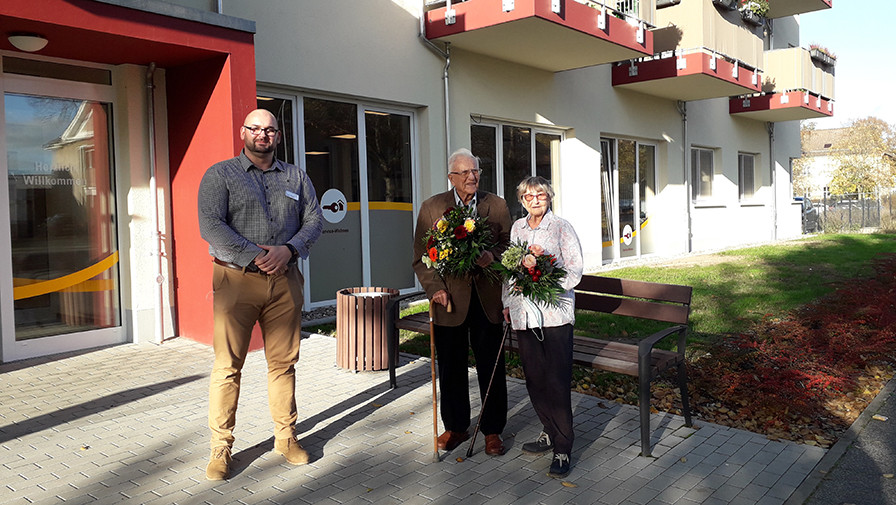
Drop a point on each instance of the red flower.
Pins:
(431, 242)
(433, 254)
(447, 211)
(460, 232)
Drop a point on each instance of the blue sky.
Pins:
(862, 35)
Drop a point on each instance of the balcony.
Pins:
(796, 86)
(784, 8)
(552, 35)
(702, 51)
(786, 106)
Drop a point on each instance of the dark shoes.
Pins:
(451, 439)
(559, 466)
(541, 445)
(494, 446)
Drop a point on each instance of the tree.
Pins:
(801, 174)
(864, 157)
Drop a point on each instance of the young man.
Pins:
(259, 215)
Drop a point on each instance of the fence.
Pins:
(855, 211)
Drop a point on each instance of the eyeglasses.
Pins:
(257, 130)
(465, 173)
(529, 196)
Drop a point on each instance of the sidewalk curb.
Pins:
(829, 460)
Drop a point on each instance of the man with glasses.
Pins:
(259, 215)
(475, 321)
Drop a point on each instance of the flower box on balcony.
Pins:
(751, 17)
(822, 57)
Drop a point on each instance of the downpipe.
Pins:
(683, 111)
(154, 199)
(771, 166)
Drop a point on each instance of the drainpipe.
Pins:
(683, 111)
(154, 198)
(444, 54)
(771, 165)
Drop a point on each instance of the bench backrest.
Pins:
(670, 303)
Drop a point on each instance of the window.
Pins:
(701, 173)
(746, 176)
(360, 159)
(523, 152)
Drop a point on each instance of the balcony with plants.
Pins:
(784, 8)
(797, 85)
(705, 49)
(552, 35)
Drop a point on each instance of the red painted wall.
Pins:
(210, 87)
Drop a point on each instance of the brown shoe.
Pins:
(291, 449)
(219, 464)
(451, 439)
(493, 445)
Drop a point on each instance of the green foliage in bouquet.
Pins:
(455, 241)
(532, 273)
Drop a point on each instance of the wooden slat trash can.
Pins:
(362, 328)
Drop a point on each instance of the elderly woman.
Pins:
(545, 333)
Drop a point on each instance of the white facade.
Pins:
(372, 53)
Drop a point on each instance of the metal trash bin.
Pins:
(362, 328)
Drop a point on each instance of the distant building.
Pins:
(819, 163)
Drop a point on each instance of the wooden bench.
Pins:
(666, 303)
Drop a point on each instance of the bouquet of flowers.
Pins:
(455, 241)
(532, 273)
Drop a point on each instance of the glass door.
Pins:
(63, 253)
(627, 191)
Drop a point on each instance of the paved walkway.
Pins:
(127, 424)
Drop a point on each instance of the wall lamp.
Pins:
(28, 42)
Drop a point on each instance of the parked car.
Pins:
(810, 214)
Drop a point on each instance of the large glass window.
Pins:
(331, 160)
(390, 198)
(701, 173)
(360, 159)
(62, 215)
(523, 153)
(484, 142)
(628, 188)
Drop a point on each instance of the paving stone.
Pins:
(141, 412)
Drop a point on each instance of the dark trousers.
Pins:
(453, 344)
(548, 368)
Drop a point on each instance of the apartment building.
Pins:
(666, 127)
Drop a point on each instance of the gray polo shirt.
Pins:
(241, 205)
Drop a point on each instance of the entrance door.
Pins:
(627, 190)
(60, 269)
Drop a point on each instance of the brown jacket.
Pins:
(460, 288)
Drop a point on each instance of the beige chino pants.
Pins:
(275, 302)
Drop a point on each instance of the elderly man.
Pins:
(259, 215)
(476, 318)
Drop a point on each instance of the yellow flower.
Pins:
(442, 225)
(444, 253)
(470, 225)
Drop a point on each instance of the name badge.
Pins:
(292, 195)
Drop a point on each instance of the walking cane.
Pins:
(435, 408)
(488, 389)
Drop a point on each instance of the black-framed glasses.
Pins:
(529, 196)
(257, 130)
(465, 173)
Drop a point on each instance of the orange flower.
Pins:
(433, 254)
